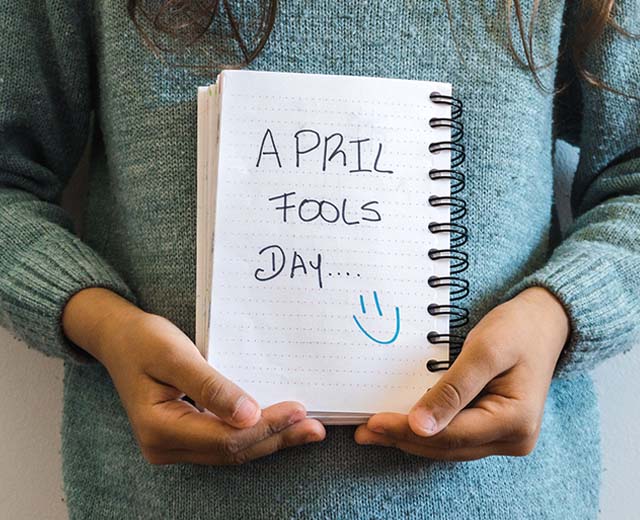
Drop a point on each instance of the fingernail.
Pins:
(312, 437)
(297, 416)
(377, 429)
(424, 421)
(245, 409)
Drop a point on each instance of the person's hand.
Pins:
(491, 401)
(153, 365)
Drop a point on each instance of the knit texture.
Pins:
(62, 59)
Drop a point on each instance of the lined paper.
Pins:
(320, 262)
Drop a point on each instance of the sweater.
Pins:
(70, 69)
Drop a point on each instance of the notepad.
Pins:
(316, 218)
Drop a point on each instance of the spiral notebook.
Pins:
(329, 242)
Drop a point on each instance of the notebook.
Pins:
(328, 252)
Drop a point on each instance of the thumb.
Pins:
(454, 390)
(192, 375)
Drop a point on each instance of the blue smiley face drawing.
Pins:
(396, 333)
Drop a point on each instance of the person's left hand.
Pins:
(491, 400)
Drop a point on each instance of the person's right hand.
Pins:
(153, 365)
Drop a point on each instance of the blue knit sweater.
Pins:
(63, 59)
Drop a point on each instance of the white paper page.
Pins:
(328, 310)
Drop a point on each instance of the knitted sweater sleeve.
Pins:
(45, 105)
(595, 271)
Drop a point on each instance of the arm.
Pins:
(594, 271)
(45, 105)
(50, 280)
(582, 306)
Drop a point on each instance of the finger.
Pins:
(457, 387)
(182, 426)
(458, 454)
(189, 372)
(471, 427)
(303, 432)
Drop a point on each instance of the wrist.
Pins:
(94, 317)
(549, 311)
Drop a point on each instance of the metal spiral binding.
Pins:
(459, 262)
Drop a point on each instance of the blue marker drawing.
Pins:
(379, 309)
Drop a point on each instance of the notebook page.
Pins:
(320, 269)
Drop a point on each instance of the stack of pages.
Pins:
(313, 239)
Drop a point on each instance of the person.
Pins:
(517, 410)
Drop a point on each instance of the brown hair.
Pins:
(187, 21)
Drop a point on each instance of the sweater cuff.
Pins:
(41, 282)
(583, 284)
